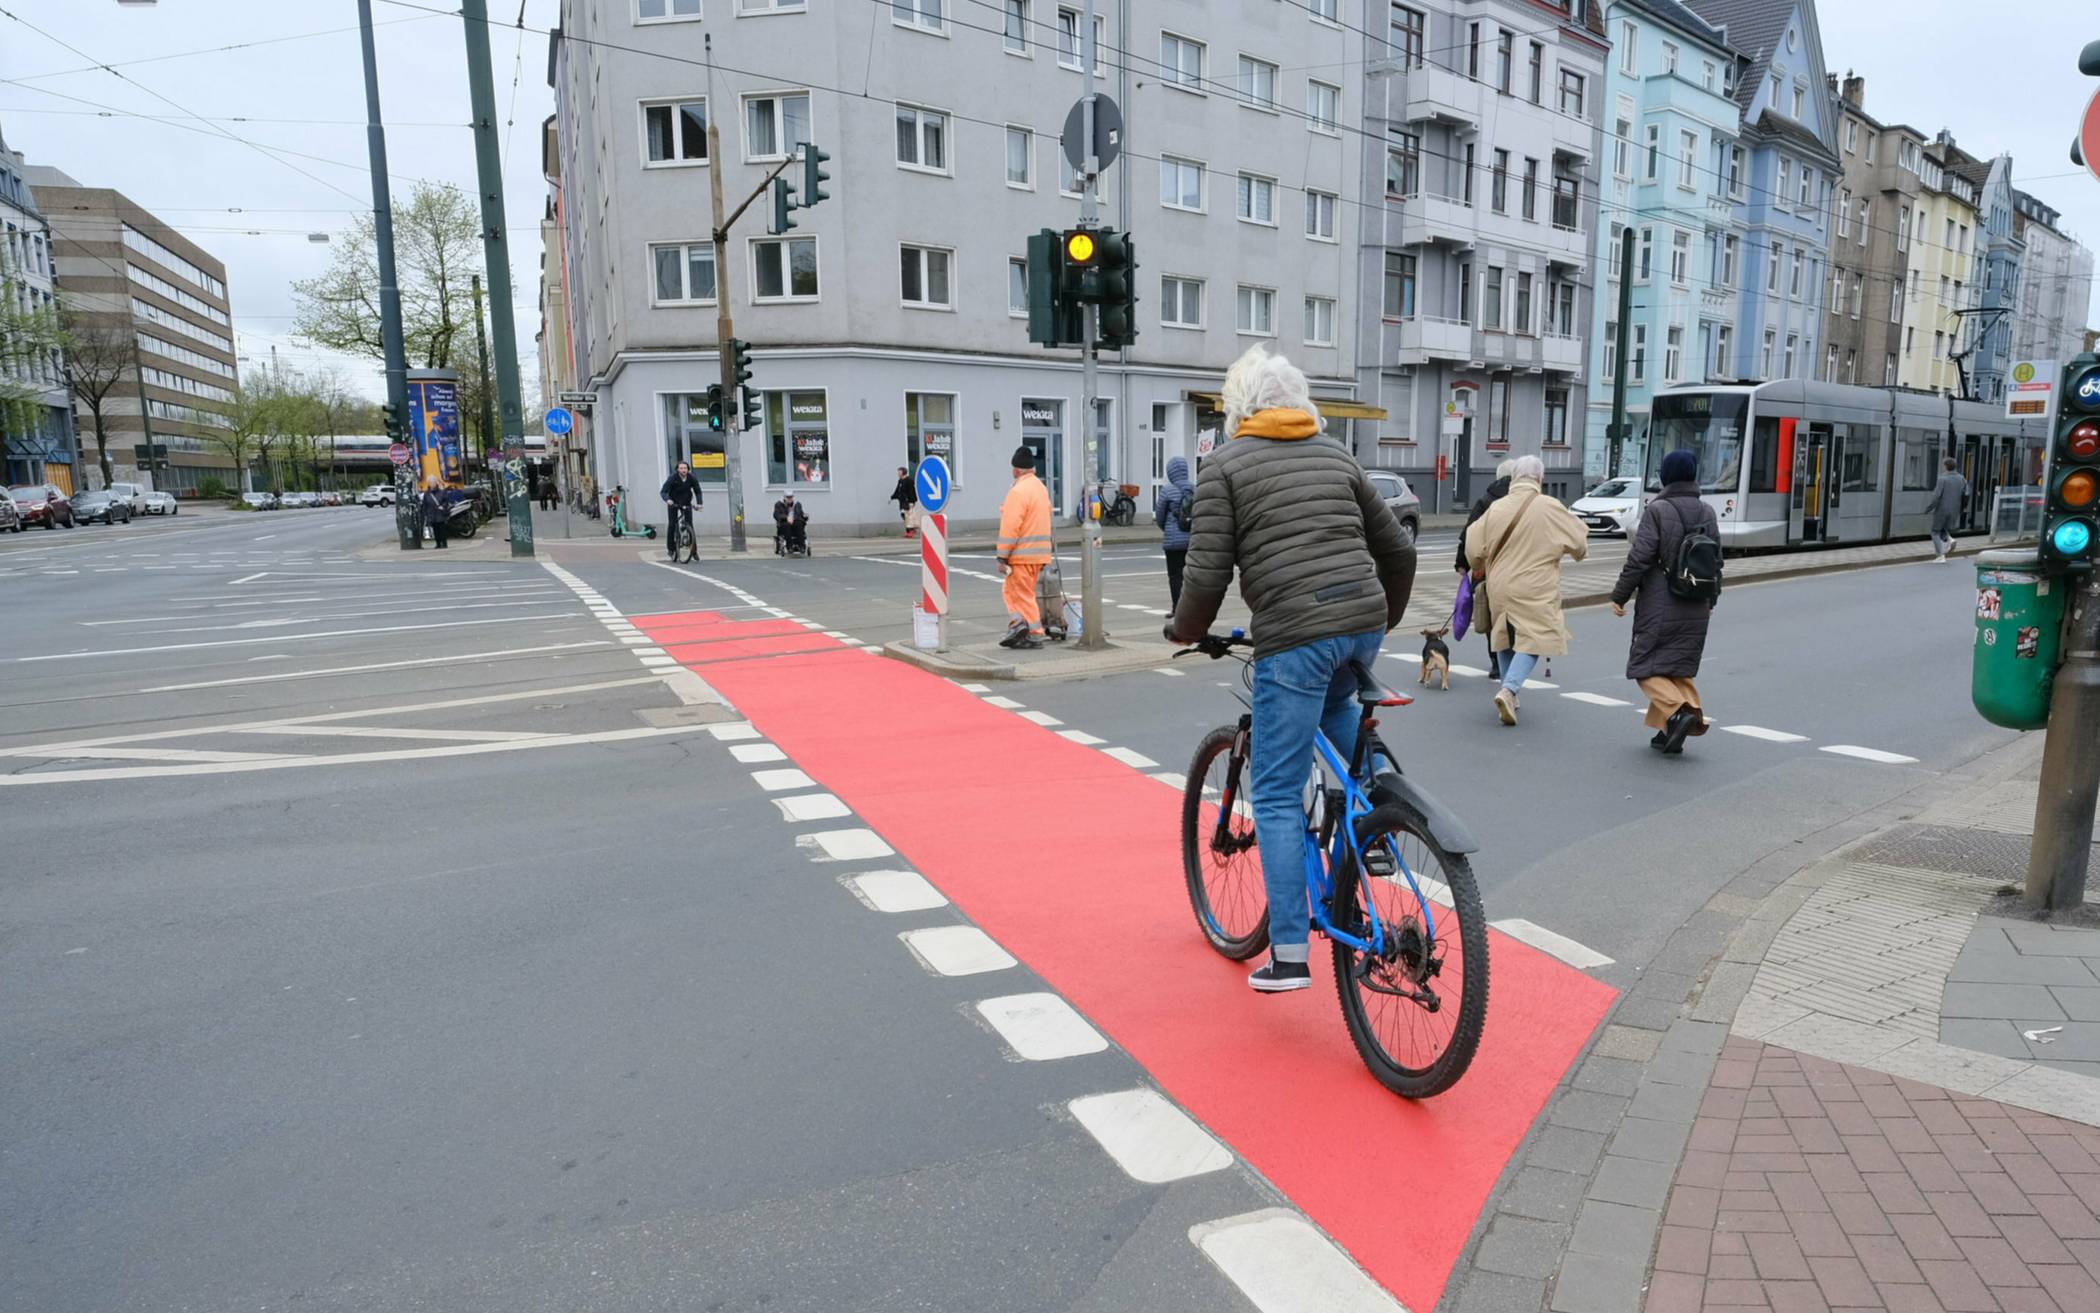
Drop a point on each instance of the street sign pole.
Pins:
(935, 486)
(1091, 636)
(2070, 782)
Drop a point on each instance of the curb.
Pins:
(966, 663)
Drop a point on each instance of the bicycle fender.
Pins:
(1444, 825)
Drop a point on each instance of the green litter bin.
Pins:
(2019, 636)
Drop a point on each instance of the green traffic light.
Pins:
(2071, 538)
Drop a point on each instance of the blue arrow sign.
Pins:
(934, 485)
(559, 421)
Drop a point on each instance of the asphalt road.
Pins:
(390, 935)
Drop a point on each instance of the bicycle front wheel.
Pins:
(1218, 851)
(1416, 1008)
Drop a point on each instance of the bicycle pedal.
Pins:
(1379, 862)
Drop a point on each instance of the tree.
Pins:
(97, 354)
(437, 248)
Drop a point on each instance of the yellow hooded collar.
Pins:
(1278, 422)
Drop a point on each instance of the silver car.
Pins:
(162, 503)
(1399, 499)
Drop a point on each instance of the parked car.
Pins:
(10, 518)
(1399, 499)
(134, 493)
(379, 494)
(108, 506)
(161, 503)
(293, 500)
(259, 501)
(331, 498)
(1609, 507)
(42, 503)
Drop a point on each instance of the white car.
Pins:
(259, 501)
(160, 503)
(1609, 507)
(379, 494)
(135, 493)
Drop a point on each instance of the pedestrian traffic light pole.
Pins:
(390, 342)
(1090, 380)
(488, 155)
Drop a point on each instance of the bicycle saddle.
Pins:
(1371, 693)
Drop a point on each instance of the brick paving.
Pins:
(1811, 1185)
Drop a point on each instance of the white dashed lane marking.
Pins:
(1041, 1027)
(750, 753)
(956, 950)
(895, 891)
(1578, 955)
(1081, 737)
(1282, 1264)
(1869, 754)
(774, 781)
(1596, 699)
(852, 845)
(1768, 735)
(811, 807)
(1150, 1138)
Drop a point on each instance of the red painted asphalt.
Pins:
(1072, 861)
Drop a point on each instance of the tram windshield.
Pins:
(1707, 424)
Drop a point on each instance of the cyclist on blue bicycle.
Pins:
(1326, 570)
(681, 493)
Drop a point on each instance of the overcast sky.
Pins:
(2002, 77)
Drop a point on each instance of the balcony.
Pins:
(1573, 136)
(1719, 209)
(1426, 338)
(1500, 349)
(1561, 353)
(1435, 94)
(1424, 218)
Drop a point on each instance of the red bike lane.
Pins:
(1072, 861)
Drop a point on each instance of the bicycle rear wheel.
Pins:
(1218, 852)
(1416, 1009)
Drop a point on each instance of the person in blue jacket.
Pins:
(1171, 511)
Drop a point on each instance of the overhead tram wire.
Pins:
(211, 50)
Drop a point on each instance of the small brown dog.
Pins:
(1436, 658)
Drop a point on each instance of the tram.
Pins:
(1800, 463)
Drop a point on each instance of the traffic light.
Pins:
(754, 409)
(1116, 280)
(716, 421)
(783, 206)
(813, 175)
(1082, 264)
(396, 422)
(2071, 505)
(740, 357)
(1053, 316)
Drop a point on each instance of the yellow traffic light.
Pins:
(1079, 247)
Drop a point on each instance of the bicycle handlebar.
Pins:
(1216, 646)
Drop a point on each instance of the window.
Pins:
(1465, 293)
(1910, 340)
(1521, 321)
(1728, 250)
(1637, 362)
(1505, 61)
(1669, 57)
(798, 439)
(1724, 351)
(784, 269)
(1830, 364)
(1735, 172)
(1837, 290)
(1629, 49)
(1180, 184)
(664, 11)
(1408, 26)
(1680, 258)
(1564, 298)
(1772, 268)
(1498, 194)
(1257, 199)
(675, 133)
(1319, 321)
(922, 14)
(1466, 171)
(1859, 285)
(1531, 190)
(1020, 158)
(1399, 286)
(1491, 300)
(1844, 209)
(1888, 370)
(1793, 343)
(1403, 165)
(1473, 51)
(1257, 311)
(925, 277)
(1567, 202)
(1319, 215)
(1016, 36)
(1257, 83)
(1706, 77)
(1805, 195)
(1571, 85)
(1800, 97)
(1017, 286)
(1786, 174)
(929, 428)
(1651, 156)
(1793, 287)
(1323, 106)
(1325, 9)
(922, 139)
(775, 125)
(1181, 302)
(1778, 89)
(685, 273)
(1068, 52)
(1852, 136)
(1068, 183)
(1556, 417)
(1673, 354)
(1903, 230)
(1896, 301)
(1622, 145)
(1611, 352)
(1645, 264)
(1181, 61)
(1851, 366)
(1765, 370)
(1866, 208)
(687, 437)
(1538, 74)
(1687, 158)
(1939, 345)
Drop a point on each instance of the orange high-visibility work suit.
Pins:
(1024, 546)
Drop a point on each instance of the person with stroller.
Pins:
(790, 527)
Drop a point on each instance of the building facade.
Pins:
(122, 268)
(1875, 217)
(36, 445)
(2056, 285)
(1789, 177)
(1987, 338)
(1671, 121)
(1940, 278)
(557, 358)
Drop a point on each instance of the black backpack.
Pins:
(1185, 510)
(1695, 575)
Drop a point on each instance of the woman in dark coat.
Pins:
(1495, 492)
(1669, 632)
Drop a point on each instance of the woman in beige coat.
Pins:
(1517, 548)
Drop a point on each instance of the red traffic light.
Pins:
(2082, 442)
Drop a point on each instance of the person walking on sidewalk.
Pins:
(1948, 497)
(1171, 511)
(1669, 631)
(1024, 549)
(1495, 492)
(906, 497)
(1516, 547)
(681, 493)
(432, 505)
(1327, 571)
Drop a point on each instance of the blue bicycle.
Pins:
(1388, 881)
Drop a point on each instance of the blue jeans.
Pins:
(1516, 668)
(1297, 691)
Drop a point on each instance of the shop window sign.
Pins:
(798, 439)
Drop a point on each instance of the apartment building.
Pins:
(1877, 217)
(1940, 277)
(37, 445)
(2056, 284)
(1790, 172)
(1994, 274)
(557, 358)
(120, 266)
(890, 322)
(1671, 138)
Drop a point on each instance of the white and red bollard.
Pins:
(933, 581)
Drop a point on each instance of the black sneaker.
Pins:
(1025, 642)
(1281, 977)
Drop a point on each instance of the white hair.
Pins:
(1261, 381)
(1528, 467)
(1505, 469)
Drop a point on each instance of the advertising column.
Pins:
(433, 425)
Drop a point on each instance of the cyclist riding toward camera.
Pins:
(1326, 571)
(681, 493)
